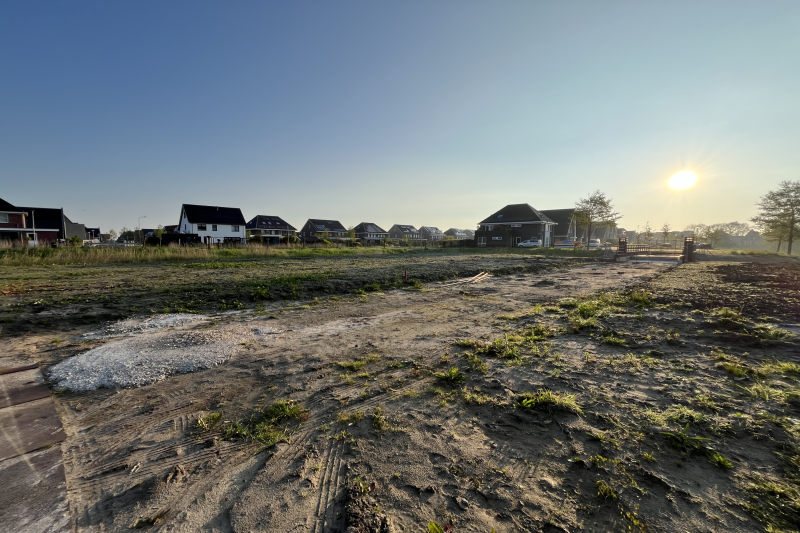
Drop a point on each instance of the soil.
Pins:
(386, 445)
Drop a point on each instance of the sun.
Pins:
(683, 180)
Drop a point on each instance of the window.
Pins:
(489, 228)
(201, 227)
(213, 227)
(3, 218)
(519, 240)
(516, 225)
(235, 229)
(481, 241)
(497, 238)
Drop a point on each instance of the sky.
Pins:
(416, 112)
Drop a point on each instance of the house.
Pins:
(404, 231)
(171, 229)
(565, 228)
(12, 223)
(270, 228)
(470, 233)
(93, 234)
(213, 224)
(457, 234)
(431, 233)
(316, 229)
(513, 224)
(369, 233)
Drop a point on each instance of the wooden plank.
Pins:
(29, 426)
(21, 387)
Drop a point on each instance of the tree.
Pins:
(159, 232)
(351, 235)
(124, 233)
(112, 234)
(779, 213)
(665, 229)
(647, 232)
(595, 210)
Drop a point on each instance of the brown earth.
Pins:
(469, 455)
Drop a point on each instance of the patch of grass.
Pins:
(772, 333)
(6, 320)
(549, 399)
(379, 423)
(350, 418)
(608, 336)
(683, 415)
(684, 442)
(649, 457)
(720, 460)
(475, 396)
(605, 491)
(476, 363)
(774, 502)
(207, 422)
(355, 366)
(736, 369)
(264, 426)
(452, 376)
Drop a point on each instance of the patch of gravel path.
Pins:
(146, 358)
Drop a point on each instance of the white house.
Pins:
(213, 223)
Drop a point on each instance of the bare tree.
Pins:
(596, 210)
(647, 231)
(779, 212)
(665, 229)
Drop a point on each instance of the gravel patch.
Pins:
(143, 359)
(148, 324)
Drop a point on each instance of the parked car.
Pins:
(595, 243)
(568, 244)
(530, 243)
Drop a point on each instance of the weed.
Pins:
(649, 457)
(720, 460)
(343, 435)
(263, 427)
(352, 418)
(549, 399)
(608, 336)
(772, 333)
(603, 439)
(476, 363)
(378, 420)
(207, 422)
(148, 521)
(774, 502)
(682, 441)
(683, 415)
(475, 396)
(605, 491)
(735, 369)
(453, 376)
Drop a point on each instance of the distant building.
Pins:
(12, 223)
(270, 228)
(213, 224)
(457, 234)
(403, 231)
(315, 228)
(513, 224)
(431, 233)
(370, 233)
(470, 233)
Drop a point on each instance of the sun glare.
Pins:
(683, 180)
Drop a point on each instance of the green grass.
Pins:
(452, 376)
(265, 427)
(545, 398)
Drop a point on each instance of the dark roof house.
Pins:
(314, 227)
(370, 233)
(269, 227)
(457, 234)
(208, 214)
(402, 231)
(512, 225)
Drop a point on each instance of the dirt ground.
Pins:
(667, 401)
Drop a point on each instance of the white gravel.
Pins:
(143, 359)
(148, 324)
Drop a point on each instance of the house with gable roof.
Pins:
(513, 224)
(370, 233)
(457, 234)
(403, 231)
(315, 228)
(431, 233)
(213, 224)
(270, 228)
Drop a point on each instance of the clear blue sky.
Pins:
(414, 112)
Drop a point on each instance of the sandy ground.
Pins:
(462, 455)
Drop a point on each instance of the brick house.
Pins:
(270, 228)
(401, 231)
(370, 234)
(313, 230)
(513, 224)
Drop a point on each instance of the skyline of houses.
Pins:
(508, 226)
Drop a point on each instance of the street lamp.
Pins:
(140, 228)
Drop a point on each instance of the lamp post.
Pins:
(140, 228)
